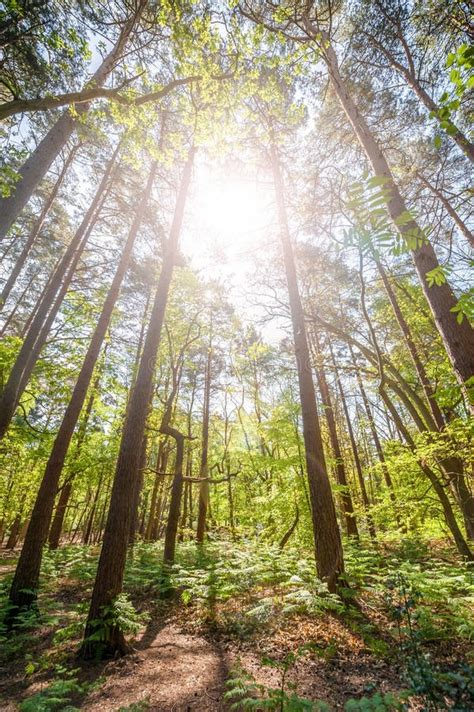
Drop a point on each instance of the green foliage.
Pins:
(221, 572)
(378, 702)
(440, 688)
(55, 696)
(121, 615)
(461, 65)
(246, 694)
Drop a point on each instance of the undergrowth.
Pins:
(421, 601)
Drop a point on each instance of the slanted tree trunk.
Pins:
(109, 578)
(287, 535)
(60, 512)
(28, 567)
(456, 218)
(40, 160)
(450, 519)
(57, 524)
(458, 339)
(373, 429)
(346, 499)
(87, 534)
(18, 303)
(33, 236)
(327, 538)
(406, 332)
(48, 308)
(452, 466)
(408, 72)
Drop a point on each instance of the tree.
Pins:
(108, 582)
(327, 539)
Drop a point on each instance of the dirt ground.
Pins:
(174, 671)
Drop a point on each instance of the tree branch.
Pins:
(17, 106)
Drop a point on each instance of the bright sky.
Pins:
(230, 217)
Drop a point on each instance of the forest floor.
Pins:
(238, 621)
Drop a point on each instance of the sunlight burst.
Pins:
(231, 209)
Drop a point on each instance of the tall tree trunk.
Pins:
(184, 514)
(60, 512)
(374, 433)
(137, 491)
(57, 524)
(32, 237)
(14, 533)
(417, 362)
(458, 339)
(46, 312)
(39, 162)
(109, 578)
(452, 466)
(28, 567)
(346, 499)
(355, 450)
(154, 494)
(204, 467)
(87, 534)
(327, 538)
(230, 498)
(176, 496)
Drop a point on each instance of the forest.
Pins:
(237, 355)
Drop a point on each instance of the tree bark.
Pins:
(346, 499)
(373, 430)
(28, 567)
(60, 512)
(57, 525)
(204, 467)
(411, 78)
(287, 535)
(452, 466)
(155, 491)
(137, 491)
(355, 450)
(458, 339)
(175, 497)
(14, 533)
(109, 578)
(47, 309)
(327, 538)
(417, 362)
(87, 534)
